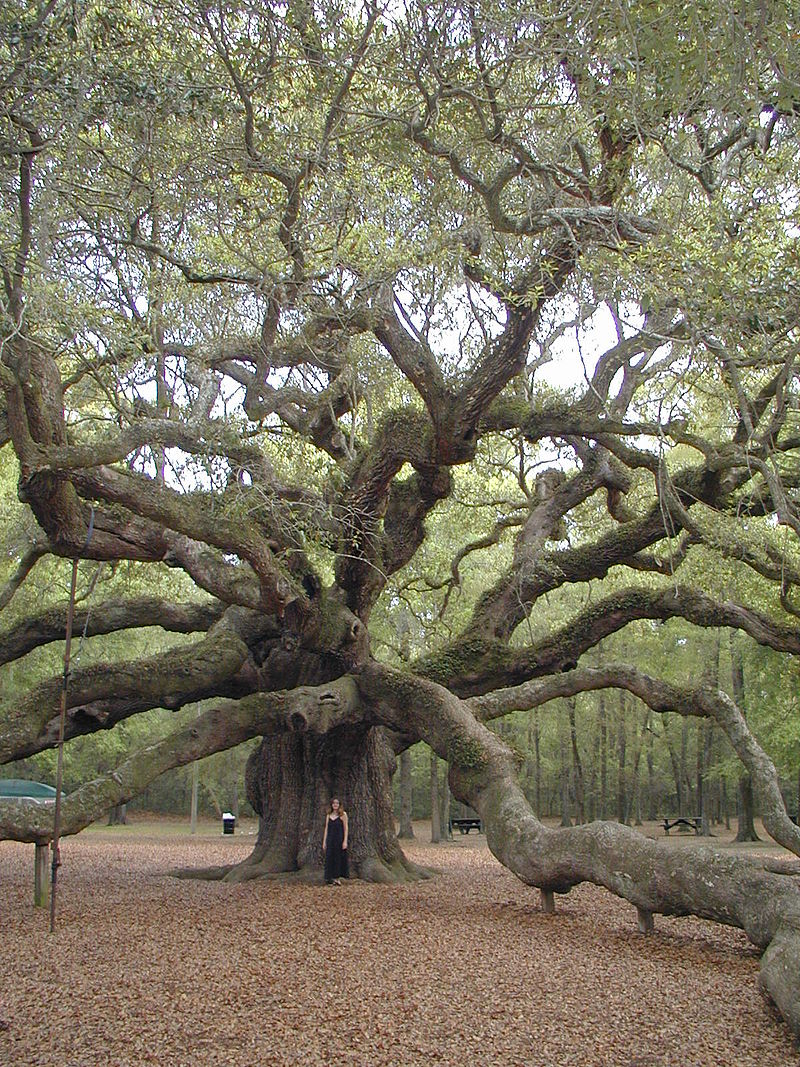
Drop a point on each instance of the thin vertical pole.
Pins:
(60, 770)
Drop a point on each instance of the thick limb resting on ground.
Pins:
(276, 352)
(104, 618)
(336, 726)
(708, 883)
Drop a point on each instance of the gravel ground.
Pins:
(463, 969)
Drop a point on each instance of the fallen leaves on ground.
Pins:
(463, 969)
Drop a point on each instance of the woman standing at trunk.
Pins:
(334, 843)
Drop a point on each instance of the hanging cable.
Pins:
(61, 730)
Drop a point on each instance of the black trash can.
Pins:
(228, 823)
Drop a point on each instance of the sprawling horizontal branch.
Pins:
(229, 582)
(611, 614)
(117, 533)
(476, 663)
(190, 273)
(707, 883)
(224, 726)
(662, 696)
(99, 697)
(321, 342)
(207, 438)
(192, 516)
(512, 597)
(666, 564)
(543, 520)
(313, 415)
(559, 417)
(108, 617)
(723, 535)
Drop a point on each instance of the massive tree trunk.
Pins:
(298, 506)
(290, 781)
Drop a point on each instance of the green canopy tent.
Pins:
(21, 789)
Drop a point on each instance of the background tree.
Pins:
(285, 291)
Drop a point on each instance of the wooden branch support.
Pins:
(41, 888)
(645, 918)
(548, 901)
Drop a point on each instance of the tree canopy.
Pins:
(396, 357)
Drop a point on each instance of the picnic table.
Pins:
(693, 822)
(465, 825)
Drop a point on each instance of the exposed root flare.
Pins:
(271, 864)
(207, 874)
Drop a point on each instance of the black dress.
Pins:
(335, 855)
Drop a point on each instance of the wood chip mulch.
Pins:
(463, 969)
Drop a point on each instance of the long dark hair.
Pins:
(330, 806)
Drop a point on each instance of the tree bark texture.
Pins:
(290, 782)
(707, 883)
(316, 502)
